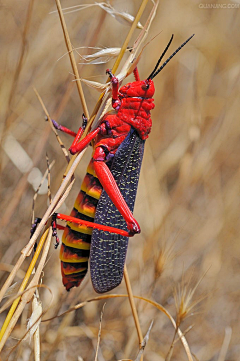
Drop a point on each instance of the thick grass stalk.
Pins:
(72, 58)
(133, 306)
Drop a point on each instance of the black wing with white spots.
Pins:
(108, 250)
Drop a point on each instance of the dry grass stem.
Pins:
(120, 16)
(52, 127)
(53, 206)
(38, 188)
(133, 306)
(19, 304)
(144, 343)
(37, 311)
(72, 58)
(224, 349)
(99, 332)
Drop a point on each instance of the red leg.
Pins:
(77, 135)
(110, 186)
(116, 102)
(63, 129)
(90, 224)
(79, 221)
(136, 74)
(78, 147)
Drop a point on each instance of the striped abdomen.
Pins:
(76, 240)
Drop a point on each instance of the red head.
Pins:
(143, 88)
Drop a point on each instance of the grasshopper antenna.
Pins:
(159, 60)
(155, 71)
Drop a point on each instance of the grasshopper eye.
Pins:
(145, 86)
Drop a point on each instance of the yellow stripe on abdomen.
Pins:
(86, 204)
(68, 255)
(75, 248)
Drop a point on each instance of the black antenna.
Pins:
(159, 60)
(155, 72)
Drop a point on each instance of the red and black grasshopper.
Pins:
(109, 188)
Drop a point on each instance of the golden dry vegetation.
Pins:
(188, 198)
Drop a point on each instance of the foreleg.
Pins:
(63, 129)
(78, 147)
(77, 135)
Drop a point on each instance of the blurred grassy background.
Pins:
(188, 198)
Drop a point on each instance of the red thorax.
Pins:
(136, 102)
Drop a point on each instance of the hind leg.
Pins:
(110, 186)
